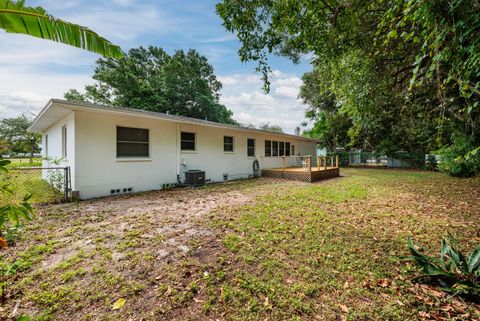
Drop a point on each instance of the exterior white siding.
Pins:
(99, 170)
(96, 170)
(210, 157)
(54, 146)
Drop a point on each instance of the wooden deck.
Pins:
(302, 174)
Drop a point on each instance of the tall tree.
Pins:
(406, 72)
(272, 128)
(15, 17)
(330, 125)
(148, 78)
(14, 132)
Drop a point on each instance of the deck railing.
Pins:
(322, 162)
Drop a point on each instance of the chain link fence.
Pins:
(396, 160)
(46, 184)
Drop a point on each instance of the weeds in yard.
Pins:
(12, 211)
(326, 251)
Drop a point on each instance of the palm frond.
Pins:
(15, 17)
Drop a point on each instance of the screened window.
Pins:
(64, 141)
(268, 148)
(274, 148)
(132, 142)
(227, 143)
(46, 145)
(250, 147)
(187, 141)
(282, 149)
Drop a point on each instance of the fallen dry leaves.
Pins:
(3, 243)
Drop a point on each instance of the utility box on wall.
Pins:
(195, 177)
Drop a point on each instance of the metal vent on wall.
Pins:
(124, 190)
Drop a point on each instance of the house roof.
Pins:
(56, 109)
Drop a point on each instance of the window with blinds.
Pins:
(274, 148)
(228, 143)
(187, 141)
(132, 142)
(250, 147)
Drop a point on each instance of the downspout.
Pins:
(178, 151)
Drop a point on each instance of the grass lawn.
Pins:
(252, 250)
(24, 162)
(30, 181)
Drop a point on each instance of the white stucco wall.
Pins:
(54, 157)
(98, 170)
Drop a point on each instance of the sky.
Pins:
(33, 70)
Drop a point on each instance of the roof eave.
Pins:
(128, 111)
(31, 128)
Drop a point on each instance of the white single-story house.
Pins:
(116, 150)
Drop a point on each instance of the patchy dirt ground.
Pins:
(171, 217)
(117, 246)
(258, 249)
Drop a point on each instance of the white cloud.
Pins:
(289, 81)
(224, 38)
(286, 92)
(33, 70)
(239, 79)
(25, 89)
(241, 94)
(21, 102)
(126, 25)
(228, 81)
(252, 100)
(21, 51)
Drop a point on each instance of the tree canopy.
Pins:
(272, 128)
(405, 74)
(14, 137)
(149, 78)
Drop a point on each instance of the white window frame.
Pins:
(64, 141)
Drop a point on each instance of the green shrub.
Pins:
(431, 163)
(453, 271)
(461, 158)
(12, 213)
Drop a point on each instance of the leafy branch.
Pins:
(15, 17)
(11, 214)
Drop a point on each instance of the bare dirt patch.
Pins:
(118, 247)
(259, 249)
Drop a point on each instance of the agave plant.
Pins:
(454, 271)
(15, 17)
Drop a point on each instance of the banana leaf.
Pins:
(15, 17)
